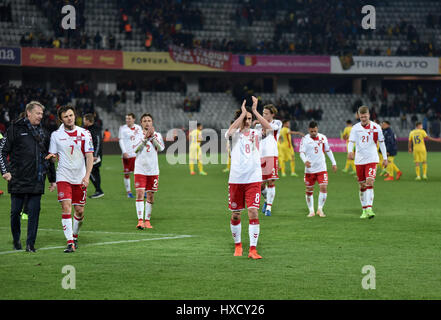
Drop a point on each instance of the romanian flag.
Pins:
(247, 60)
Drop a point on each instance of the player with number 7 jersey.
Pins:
(147, 144)
(73, 147)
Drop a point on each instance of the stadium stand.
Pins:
(216, 110)
(404, 27)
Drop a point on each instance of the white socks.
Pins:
(236, 230)
(321, 200)
(362, 195)
(148, 210)
(66, 221)
(270, 195)
(77, 223)
(127, 184)
(310, 201)
(140, 209)
(254, 231)
(369, 196)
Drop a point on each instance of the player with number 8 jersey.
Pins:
(245, 175)
(73, 147)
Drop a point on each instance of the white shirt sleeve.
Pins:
(121, 140)
(302, 150)
(53, 144)
(351, 142)
(88, 142)
(158, 142)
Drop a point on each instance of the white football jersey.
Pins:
(71, 147)
(314, 150)
(146, 162)
(268, 146)
(365, 139)
(126, 138)
(245, 157)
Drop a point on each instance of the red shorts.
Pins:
(270, 168)
(239, 194)
(74, 192)
(365, 171)
(129, 164)
(320, 177)
(149, 183)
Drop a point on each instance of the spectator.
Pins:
(128, 31)
(111, 38)
(106, 135)
(97, 40)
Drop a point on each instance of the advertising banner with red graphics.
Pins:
(336, 144)
(67, 58)
(281, 64)
(208, 58)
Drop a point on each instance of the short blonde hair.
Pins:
(31, 105)
(363, 110)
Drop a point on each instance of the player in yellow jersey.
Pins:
(286, 148)
(345, 136)
(417, 145)
(195, 137)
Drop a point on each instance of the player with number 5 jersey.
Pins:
(312, 152)
(73, 147)
(245, 175)
(147, 144)
(365, 135)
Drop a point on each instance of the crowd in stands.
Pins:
(412, 102)
(191, 104)
(67, 39)
(13, 101)
(162, 21)
(322, 27)
(5, 11)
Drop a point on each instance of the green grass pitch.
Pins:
(189, 253)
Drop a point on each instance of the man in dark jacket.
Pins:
(391, 147)
(97, 138)
(26, 143)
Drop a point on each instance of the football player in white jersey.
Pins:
(245, 175)
(147, 144)
(126, 136)
(73, 147)
(269, 157)
(364, 136)
(312, 152)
